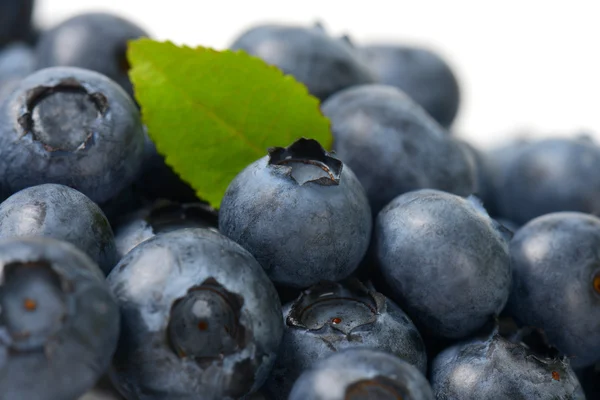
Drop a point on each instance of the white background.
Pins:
(524, 66)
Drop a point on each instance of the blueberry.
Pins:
(16, 61)
(551, 175)
(15, 20)
(420, 73)
(329, 317)
(484, 188)
(362, 374)
(393, 146)
(324, 64)
(495, 368)
(61, 213)
(590, 381)
(301, 212)
(59, 323)
(200, 319)
(94, 41)
(161, 217)
(70, 126)
(445, 260)
(556, 282)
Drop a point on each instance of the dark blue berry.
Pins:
(420, 73)
(59, 323)
(329, 317)
(301, 212)
(200, 319)
(393, 146)
(94, 41)
(324, 64)
(73, 127)
(445, 260)
(62, 213)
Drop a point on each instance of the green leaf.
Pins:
(211, 113)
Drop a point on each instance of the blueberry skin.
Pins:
(393, 146)
(94, 41)
(496, 369)
(551, 175)
(445, 260)
(73, 127)
(362, 374)
(305, 219)
(15, 20)
(329, 317)
(58, 295)
(159, 356)
(61, 213)
(556, 282)
(484, 189)
(323, 63)
(499, 160)
(420, 73)
(16, 61)
(160, 217)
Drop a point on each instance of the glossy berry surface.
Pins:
(324, 64)
(330, 317)
(494, 368)
(59, 323)
(94, 41)
(556, 282)
(200, 319)
(420, 73)
(301, 212)
(362, 374)
(43, 210)
(70, 126)
(445, 260)
(393, 146)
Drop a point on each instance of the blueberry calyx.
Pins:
(378, 387)
(63, 117)
(205, 323)
(307, 161)
(34, 305)
(342, 307)
(533, 347)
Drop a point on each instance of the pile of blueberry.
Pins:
(406, 264)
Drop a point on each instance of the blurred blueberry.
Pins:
(394, 147)
(324, 64)
(15, 20)
(551, 175)
(420, 73)
(94, 41)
